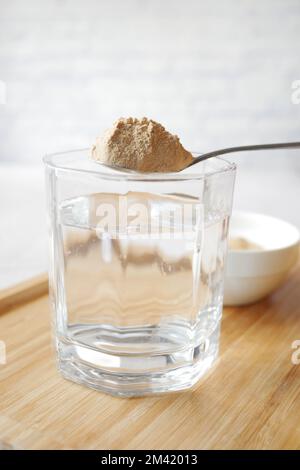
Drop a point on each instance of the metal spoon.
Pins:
(243, 148)
(216, 153)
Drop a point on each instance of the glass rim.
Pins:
(119, 175)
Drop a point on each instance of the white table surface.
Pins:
(23, 241)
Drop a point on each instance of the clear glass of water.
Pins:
(136, 272)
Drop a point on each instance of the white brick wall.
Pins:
(216, 72)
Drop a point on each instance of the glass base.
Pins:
(119, 375)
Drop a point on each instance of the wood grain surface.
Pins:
(249, 400)
(23, 292)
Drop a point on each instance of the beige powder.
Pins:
(242, 244)
(142, 145)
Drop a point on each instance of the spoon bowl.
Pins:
(216, 153)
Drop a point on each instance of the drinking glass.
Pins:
(136, 272)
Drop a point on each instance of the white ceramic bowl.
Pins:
(252, 274)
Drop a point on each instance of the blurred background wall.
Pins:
(218, 73)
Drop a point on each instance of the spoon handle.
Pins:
(242, 148)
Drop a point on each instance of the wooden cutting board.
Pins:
(249, 400)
